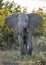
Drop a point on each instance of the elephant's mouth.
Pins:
(25, 34)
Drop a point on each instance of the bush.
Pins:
(40, 43)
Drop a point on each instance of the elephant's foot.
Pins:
(24, 50)
(29, 52)
(22, 53)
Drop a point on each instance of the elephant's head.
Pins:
(23, 22)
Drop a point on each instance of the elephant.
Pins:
(23, 26)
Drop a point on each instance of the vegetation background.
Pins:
(9, 44)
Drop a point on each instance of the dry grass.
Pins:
(12, 58)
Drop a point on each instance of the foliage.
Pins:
(40, 43)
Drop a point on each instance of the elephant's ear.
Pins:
(35, 20)
(12, 21)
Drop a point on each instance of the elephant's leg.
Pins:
(30, 47)
(20, 39)
(25, 48)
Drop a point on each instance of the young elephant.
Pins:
(24, 25)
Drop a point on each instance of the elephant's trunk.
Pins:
(25, 35)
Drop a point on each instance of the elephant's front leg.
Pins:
(30, 47)
(21, 43)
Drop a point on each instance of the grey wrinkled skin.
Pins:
(24, 25)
